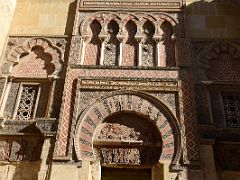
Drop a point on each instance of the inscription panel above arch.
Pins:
(146, 5)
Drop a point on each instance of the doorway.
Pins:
(125, 174)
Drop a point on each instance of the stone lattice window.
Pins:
(27, 103)
(231, 104)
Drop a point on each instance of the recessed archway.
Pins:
(133, 102)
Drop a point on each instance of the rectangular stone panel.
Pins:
(12, 97)
(131, 5)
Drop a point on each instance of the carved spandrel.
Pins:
(169, 99)
(86, 97)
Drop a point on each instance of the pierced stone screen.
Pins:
(27, 102)
(231, 105)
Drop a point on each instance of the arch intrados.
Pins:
(168, 18)
(90, 28)
(86, 23)
(131, 24)
(136, 114)
(147, 25)
(131, 21)
(34, 48)
(114, 17)
(128, 17)
(166, 25)
(150, 18)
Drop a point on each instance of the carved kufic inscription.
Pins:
(136, 4)
(135, 84)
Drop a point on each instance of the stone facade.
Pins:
(102, 86)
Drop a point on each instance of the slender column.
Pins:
(84, 42)
(50, 98)
(162, 54)
(173, 40)
(120, 52)
(5, 96)
(139, 40)
(4, 88)
(158, 41)
(103, 40)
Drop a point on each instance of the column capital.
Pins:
(104, 38)
(158, 38)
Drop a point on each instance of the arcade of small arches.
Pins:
(111, 40)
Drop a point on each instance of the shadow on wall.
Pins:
(70, 18)
(26, 170)
(213, 19)
(206, 20)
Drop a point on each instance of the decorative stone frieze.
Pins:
(133, 5)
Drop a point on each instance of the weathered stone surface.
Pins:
(125, 88)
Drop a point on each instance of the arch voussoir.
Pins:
(120, 103)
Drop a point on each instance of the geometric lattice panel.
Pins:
(231, 104)
(27, 102)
